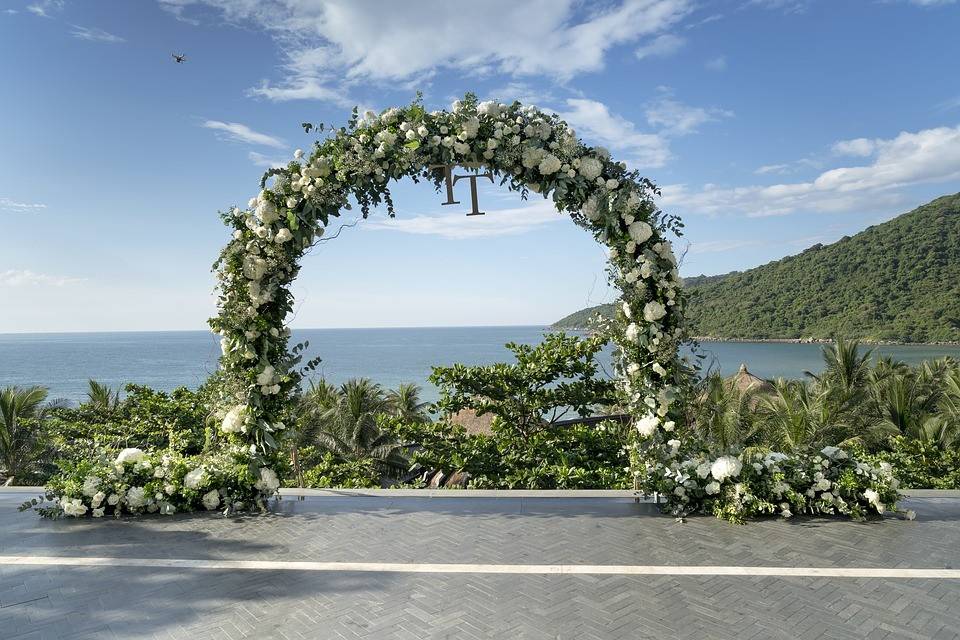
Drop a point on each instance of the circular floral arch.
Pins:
(529, 150)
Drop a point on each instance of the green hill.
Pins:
(896, 281)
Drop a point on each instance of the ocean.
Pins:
(64, 362)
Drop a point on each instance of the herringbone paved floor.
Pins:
(127, 602)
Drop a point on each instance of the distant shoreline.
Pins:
(863, 341)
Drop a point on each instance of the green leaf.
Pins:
(413, 144)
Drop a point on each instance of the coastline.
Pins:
(863, 341)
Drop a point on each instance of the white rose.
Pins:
(283, 235)
(632, 332)
(98, 498)
(211, 499)
(653, 311)
(113, 499)
(130, 455)
(98, 513)
(266, 376)
(73, 507)
(703, 470)
(647, 425)
(712, 488)
(659, 370)
(298, 154)
(235, 419)
(640, 231)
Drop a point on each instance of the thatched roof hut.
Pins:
(745, 381)
(474, 424)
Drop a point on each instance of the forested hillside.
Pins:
(897, 281)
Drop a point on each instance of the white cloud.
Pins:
(596, 124)
(661, 47)
(95, 35)
(330, 45)
(931, 3)
(677, 118)
(772, 168)
(952, 103)
(503, 222)
(261, 160)
(24, 278)
(6, 204)
(927, 156)
(521, 91)
(716, 64)
(242, 133)
(45, 8)
(859, 147)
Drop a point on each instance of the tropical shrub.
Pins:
(330, 472)
(570, 457)
(548, 381)
(920, 464)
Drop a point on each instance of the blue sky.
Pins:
(770, 125)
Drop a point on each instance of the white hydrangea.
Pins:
(550, 164)
(131, 454)
(136, 497)
(91, 485)
(235, 419)
(268, 481)
(590, 167)
(211, 499)
(653, 311)
(640, 231)
(726, 467)
(647, 425)
(591, 209)
(632, 332)
(194, 478)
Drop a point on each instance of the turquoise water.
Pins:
(165, 360)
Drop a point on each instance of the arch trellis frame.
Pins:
(530, 151)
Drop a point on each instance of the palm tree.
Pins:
(22, 414)
(846, 370)
(724, 414)
(798, 416)
(405, 403)
(344, 421)
(906, 404)
(100, 396)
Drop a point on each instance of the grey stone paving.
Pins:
(124, 602)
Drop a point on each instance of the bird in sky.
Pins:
(179, 57)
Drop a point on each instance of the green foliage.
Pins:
(570, 457)
(896, 281)
(24, 418)
(144, 418)
(345, 422)
(920, 464)
(330, 472)
(548, 381)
